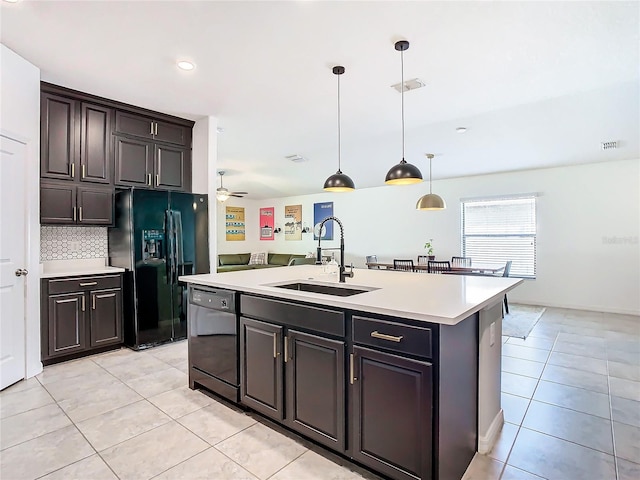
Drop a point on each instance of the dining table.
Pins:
(478, 268)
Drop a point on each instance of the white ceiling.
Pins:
(537, 83)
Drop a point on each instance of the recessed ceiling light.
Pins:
(186, 65)
(461, 129)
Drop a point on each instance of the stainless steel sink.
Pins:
(325, 289)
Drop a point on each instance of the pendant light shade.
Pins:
(339, 182)
(403, 173)
(431, 201)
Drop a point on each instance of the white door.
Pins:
(12, 260)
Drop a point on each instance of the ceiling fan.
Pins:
(222, 194)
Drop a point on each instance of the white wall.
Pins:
(588, 256)
(204, 157)
(20, 119)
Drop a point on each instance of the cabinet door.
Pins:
(66, 323)
(172, 168)
(96, 158)
(391, 429)
(95, 206)
(314, 368)
(132, 124)
(58, 145)
(58, 203)
(171, 133)
(106, 317)
(261, 367)
(133, 162)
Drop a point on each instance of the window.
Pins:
(500, 229)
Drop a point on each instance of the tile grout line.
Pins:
(520, 427)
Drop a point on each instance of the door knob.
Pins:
(21, 272)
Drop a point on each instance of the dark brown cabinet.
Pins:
(96, 158)
(66, 324)
(146, 127)
(144, 164)
(67, 203)
(261, 385)
(315, 387)
(391, 426)
(80, 314)
(76, 143)
(58, 137)
(311, 397)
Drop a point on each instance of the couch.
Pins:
(231, 262)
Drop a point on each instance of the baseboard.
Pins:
(488, 440)
(569, 306)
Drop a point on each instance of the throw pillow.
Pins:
(258, 258)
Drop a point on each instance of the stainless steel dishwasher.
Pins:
(213, 341)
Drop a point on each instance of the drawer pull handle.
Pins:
(351, 373)
(88, 284)
(151, 132)
(80, 213)
(149, 179)
(73, 170)
(275, 345)
(157, 180)
(83, 171)
(74, 214)
(82, 303)
(384, 336)
(286, 349)
(93, 302)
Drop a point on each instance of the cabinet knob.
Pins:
(21, 272)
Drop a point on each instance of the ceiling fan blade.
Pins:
(241, 193)
(234, 195)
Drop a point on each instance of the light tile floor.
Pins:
(571, 398)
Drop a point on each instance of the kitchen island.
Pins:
(397, 371)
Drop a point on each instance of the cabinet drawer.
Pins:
(78, 284)
(302, 316)
(392, 336)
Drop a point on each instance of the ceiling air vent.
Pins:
(412, 84)
(296, 158)
(608, 145)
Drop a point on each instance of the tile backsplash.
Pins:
(61, 243)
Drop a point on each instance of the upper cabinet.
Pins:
(92, 140)
(76, 141)
(146, 127)
(58, 137)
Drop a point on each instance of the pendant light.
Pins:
(403, 173)
(430, 201)
(339, 182)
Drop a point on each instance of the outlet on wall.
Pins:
(74, 247)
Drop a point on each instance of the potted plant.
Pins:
(429, 248)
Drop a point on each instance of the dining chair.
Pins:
(372, 259)
(436, 266)
(406, 265)
(423, 258)
(461, 261)
(505, 273)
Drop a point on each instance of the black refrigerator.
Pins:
(157, 237)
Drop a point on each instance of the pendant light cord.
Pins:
(430, 177)
(339, 168)
(402, 96)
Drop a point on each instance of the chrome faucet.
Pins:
(343, 273)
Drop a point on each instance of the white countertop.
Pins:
(76, 267)
(445, 299)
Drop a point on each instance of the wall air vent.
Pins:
(296, 158)
(412, 84)
(608, 145)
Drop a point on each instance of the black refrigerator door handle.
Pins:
(168, 217)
